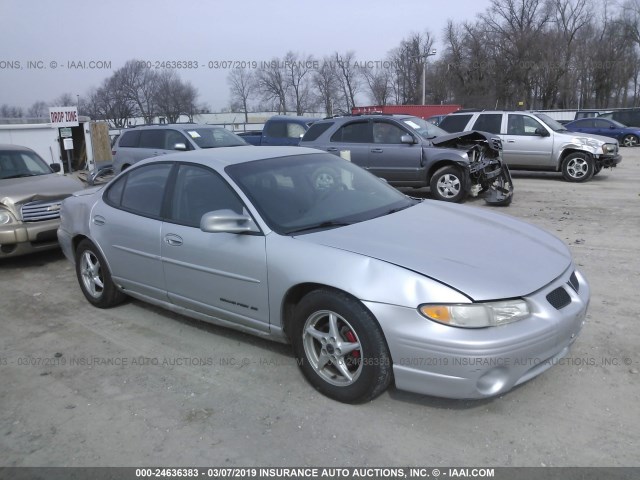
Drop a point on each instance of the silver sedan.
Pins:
(368, 285)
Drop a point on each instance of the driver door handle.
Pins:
(173, 239)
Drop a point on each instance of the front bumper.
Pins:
(434, 359)
(608, 161)
(23, 238)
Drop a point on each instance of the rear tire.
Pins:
(94, 277)
(447, 185)
(340, 347)
(578, 167)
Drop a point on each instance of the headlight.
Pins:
(5, 217)
(608, 148)
(477, 315)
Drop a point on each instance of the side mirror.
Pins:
(180, 146)
(55, 167)
(407, 139)
(541, 132)
(227, 221)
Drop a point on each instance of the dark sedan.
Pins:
(627, 136)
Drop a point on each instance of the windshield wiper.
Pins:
(318, 226)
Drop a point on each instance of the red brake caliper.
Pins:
(352, 338)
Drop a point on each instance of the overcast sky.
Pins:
(50, 34)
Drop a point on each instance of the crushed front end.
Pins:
(488, 174)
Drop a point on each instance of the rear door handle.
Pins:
(332, 149)
(173, 239)
(376, 150)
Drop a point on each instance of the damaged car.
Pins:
(408, 151)
(371, 287)
(30, 196)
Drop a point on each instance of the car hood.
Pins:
(602, 138)
(16, 191)
(484, 255)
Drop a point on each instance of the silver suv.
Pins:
(534, 141)
(138, 143)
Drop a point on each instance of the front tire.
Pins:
(447, 184)
(94, 277)
(630, 141)
(578, 167)
(340, 347)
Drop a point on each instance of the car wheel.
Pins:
(94, 277)
(447, 184)
(630, 141)
(578, 167)
(340, 347)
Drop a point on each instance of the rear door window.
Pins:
(488, 122)
(315, 131)
(355, 132)
(152, 139)
(130, 139)
(455, 123)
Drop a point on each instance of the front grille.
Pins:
(41, 211)
(559, 298)
(573, 282)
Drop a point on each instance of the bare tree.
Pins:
(242, 84)
(348, 77)
(298, 74)
(39, 109)
(10, 111)
(325, 80)
(273, 85)
(378, 80)
(140, 85)
(174, 97)
(65, 100)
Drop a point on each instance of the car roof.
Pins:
(223, 156)
(179, 126)
(366, 116)
(15, 148)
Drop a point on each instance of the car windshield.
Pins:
(17, 164)
(551, 123)
(423, 128)
(305, 193)
(214, 137)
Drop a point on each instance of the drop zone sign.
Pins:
(63, 116)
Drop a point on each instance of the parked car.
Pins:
(435, 119)
(138, 143)
(534, 141)
(627, 136)
(30, 196)
(279, 130)
(369, 285)
(626, 116)
(401, 149)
